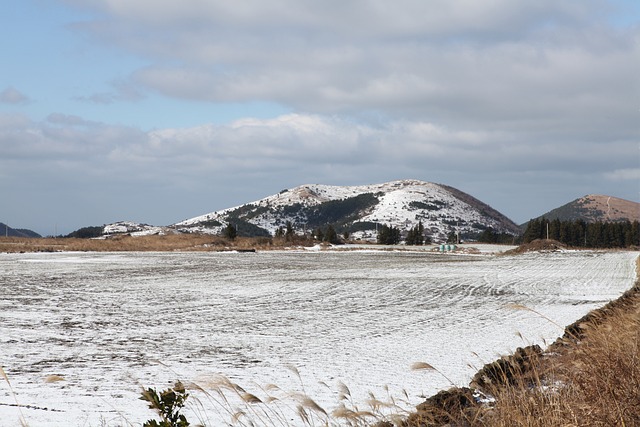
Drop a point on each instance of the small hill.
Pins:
(5, 230)
(538, 245)
(594, 208)
(359, 210)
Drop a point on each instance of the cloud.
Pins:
(168, 174)
(557, 66)
(631, 174)
(301, 143)
(12, 95)
(123, 90)
(493, 95)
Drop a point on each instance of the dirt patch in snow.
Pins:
(538, 245)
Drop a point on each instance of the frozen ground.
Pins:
(81, 333)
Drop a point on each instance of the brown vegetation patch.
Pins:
(448, 407)
(154, 243)
(612, 208)
(538, 245)
(508, 370)
(589, 377)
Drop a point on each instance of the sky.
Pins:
(156, 111)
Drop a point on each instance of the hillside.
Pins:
(16, 232)
(359, 210)
(593, 208)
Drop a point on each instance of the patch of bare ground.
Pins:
(588, 377)
(538, 245)
(154, 243)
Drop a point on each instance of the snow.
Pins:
(109, 324)
(394, 208)
(133, 228)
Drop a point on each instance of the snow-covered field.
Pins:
(81, 333)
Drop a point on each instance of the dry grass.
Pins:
(589, 377)
(155, 243)
(591, 382)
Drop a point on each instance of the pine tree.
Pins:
(331, 236)
(415, 236)
(230, 232)
(388, 235)
(289, 234)
(318, 234)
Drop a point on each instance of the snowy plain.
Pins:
(82, 333)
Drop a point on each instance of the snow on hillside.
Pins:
(133, 228)
(399, 203)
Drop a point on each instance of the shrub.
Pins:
(168, 405)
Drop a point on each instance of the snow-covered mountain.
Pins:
(359, 210)
(134, 229)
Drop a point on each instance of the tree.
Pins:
(415, 236)
(331, 236)
(388, 235)
(289, 234)
(579, 233)
(230, 232)
(318, 234)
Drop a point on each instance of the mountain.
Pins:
(593, 208)
(359, 210)
(5, 230)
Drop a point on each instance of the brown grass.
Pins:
(172, 242)
(589, 377)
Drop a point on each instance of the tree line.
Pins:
(580, 233)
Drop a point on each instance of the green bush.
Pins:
(168, 405)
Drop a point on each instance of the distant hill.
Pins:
(593, 208)
(16, 232)
(359, 210)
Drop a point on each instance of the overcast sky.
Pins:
(160, 110)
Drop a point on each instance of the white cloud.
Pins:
(258, 157)
(545, 71)
(122, 90)
(12, 95)
(297, 142)
(378, 90)
(631, 174)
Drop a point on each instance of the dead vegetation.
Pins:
(588, 377)
(153, 243)
(538, 245)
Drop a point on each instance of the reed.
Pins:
(588, 377)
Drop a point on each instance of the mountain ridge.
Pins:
(594, 208)
(359, 210)
(7, 231)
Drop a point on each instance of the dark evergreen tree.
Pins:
(318, 234)
(533, 231)
(415, 236)
(87, 232)
(388, 235)
(331, 236)
(420, 233)
(581, 234)
(289, 234)
(230, 232)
